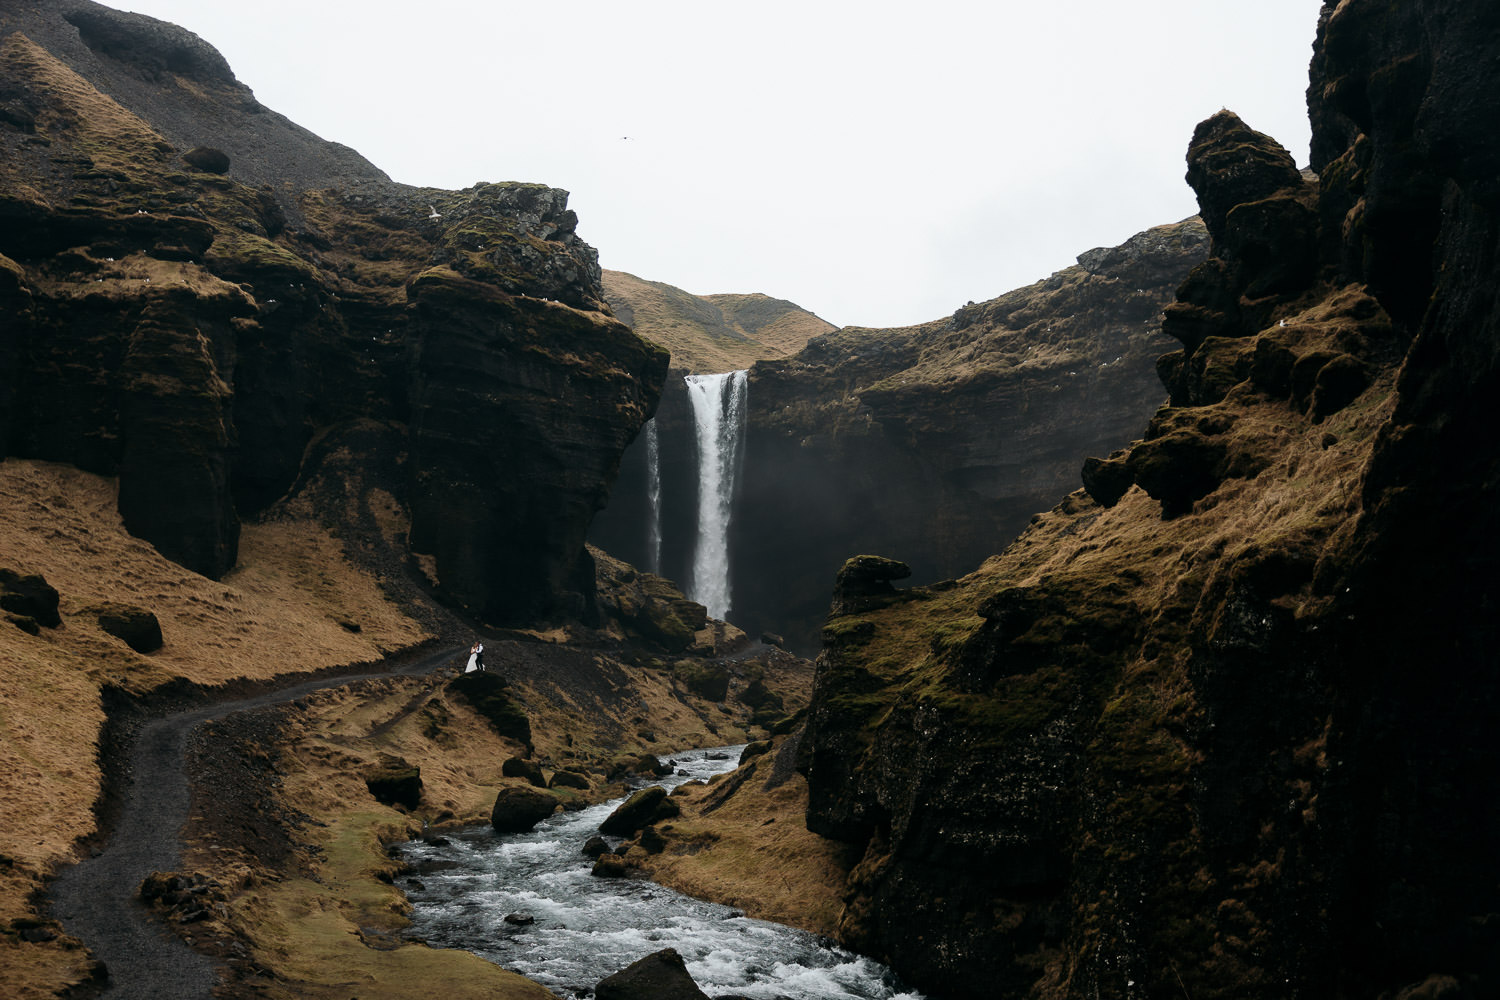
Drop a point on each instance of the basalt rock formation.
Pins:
(936, 443)
(197, 292)
(1223, 725)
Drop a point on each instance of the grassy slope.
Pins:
(711, 333)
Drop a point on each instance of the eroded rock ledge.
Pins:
(199, 290)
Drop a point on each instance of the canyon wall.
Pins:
(197, 289)
(936, 442)
(1223, 724)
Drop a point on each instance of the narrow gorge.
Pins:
(1127, 634)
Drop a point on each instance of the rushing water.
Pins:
(587, 928)
(653, 494)
(719, 418)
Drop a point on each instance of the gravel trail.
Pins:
(96, 899)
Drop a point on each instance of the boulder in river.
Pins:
(647, 806)
(659, 976)
(521, 807)
(609, 866)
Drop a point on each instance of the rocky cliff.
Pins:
(938, 442)
(1224, 724)
(198, 289)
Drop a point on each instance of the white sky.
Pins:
(879, 164)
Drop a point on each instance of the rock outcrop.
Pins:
(518, 808)
(932, 443)
(200, 291)
(662, 975)
(1223, 725)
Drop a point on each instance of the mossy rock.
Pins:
(29, 596)
(136, 627)
(707, 680)
(783, 726)
(394, 782)
(609, 866)
(1178, 469)
(1107, 479)
(758, 696)
(519, 808)
(486, 693)
(569, 779)
(519, 767)
(207, 159)
(25, 623)
(647, 806)
(671, 623)
(757, 749)
(864, 583)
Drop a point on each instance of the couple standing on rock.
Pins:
(476, 657)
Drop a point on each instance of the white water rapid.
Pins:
(719, 416)
(653, 494)
(462, 887)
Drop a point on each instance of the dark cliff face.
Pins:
(1224, 725)
(171, 324)
(937, 443)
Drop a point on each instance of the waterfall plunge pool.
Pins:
(587, 928)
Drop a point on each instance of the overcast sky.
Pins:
(879, 164)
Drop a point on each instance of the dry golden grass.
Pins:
(280, 611)
(753, 851)
(701, 332)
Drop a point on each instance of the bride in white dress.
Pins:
(476, 651)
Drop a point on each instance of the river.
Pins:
(587, 928)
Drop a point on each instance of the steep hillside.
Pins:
(178, 326)
(710, 333)
(1224, 724)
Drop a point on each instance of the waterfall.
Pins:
(719, 417)
(653, 496)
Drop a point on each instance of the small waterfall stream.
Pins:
(653, 496)
(719, 417)
(463, 887)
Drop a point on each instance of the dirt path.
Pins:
(96, 899)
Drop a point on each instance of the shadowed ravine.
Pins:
(96, 899)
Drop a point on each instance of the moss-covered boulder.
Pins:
(709, 681)
(864, 582)
(569, 779)
(647, 806)
(518, 808)
(609, 866)
(520, 767)
(136, 627)
(395, 782)
(753, 750)
(29, 596)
